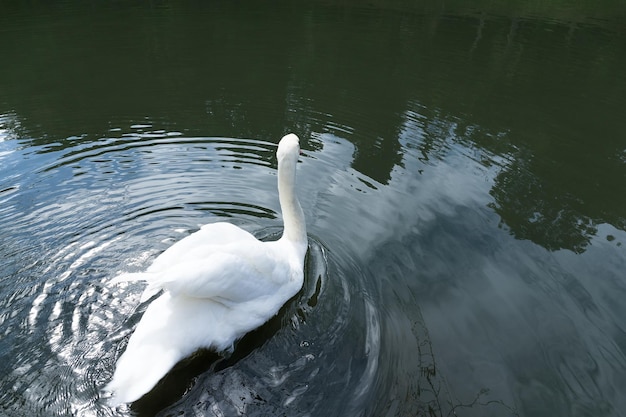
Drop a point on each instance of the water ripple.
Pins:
(92, 208)
(86, 212)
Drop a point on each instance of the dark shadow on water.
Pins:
(175, 383)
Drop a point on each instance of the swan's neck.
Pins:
(293, 216)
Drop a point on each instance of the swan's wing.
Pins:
(201, 244)
(226, 277)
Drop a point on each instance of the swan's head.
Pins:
(288, 147)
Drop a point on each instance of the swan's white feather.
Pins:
(218, 284)
(202, 243)
(247, 262)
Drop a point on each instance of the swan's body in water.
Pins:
(219, 283)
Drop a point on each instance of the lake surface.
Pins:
(463, 178)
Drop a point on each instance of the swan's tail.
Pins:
(138, 371)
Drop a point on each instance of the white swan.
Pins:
(219, 283)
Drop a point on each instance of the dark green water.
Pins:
(463, 179)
